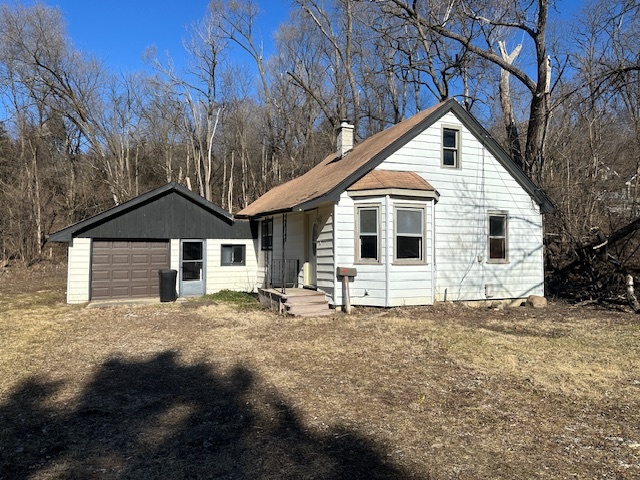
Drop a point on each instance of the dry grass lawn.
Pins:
(164, 391)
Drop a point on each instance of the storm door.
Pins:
(192, 269)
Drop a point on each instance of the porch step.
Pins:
(297, 301)
(313, 310)
(306, 303)
(306, 300)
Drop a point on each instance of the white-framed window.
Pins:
(498, 244)
(450, 147)
(368, 234)
(233, 255)
(409, 234)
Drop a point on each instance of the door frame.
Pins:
(193, 288)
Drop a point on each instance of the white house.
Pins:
(431, 209)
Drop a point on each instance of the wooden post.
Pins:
(346, 296)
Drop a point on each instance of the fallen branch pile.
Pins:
(601, 268)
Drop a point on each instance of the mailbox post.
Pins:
(345, 273)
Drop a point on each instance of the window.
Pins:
(368, 244)
(497, 237)
(267, 233)
(409, 234)
(450, 147)
(233, 255)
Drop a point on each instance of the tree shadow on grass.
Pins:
(161, 419)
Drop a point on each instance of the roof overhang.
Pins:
(395, 192)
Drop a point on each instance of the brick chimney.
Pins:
(344, 138)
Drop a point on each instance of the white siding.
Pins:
(79, 270)
(257, 259)
(326, 268)
(387, 283)
(240, 278)
(174, 260)
(174, 254)
(411, 284)
(467, 194)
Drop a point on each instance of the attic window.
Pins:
(450, 147)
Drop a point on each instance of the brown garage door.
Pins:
(127, 269)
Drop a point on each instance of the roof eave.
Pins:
(266, 213)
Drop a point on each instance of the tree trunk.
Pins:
(631, 296)
(507, 109)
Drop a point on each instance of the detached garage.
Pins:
(117, 254)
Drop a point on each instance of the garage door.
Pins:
(127, 269)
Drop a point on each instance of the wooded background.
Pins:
(562, 96)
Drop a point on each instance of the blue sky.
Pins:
(119, 31)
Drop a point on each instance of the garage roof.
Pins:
(170, 211)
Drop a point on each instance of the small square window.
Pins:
(450, 147)
(233, 255)
(498, 237)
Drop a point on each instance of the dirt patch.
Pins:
(163, 391)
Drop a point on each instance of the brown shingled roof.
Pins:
(378, 179)
(327, 180)
(330, 174)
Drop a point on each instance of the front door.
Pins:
(192, 268)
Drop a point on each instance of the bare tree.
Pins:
(479, 31)
(236, 20)
(198, 91)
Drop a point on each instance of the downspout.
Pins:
(387, 261)
(433, 252)
(333, 252)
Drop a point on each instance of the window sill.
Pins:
(367, 262)
(409, 262)
(497, 261)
